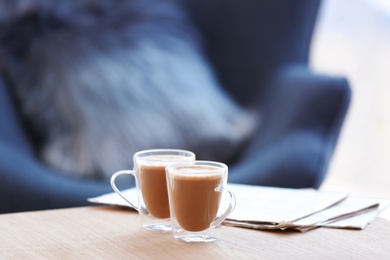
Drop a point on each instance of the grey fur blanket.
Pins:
(96, 81)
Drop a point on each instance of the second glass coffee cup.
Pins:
(150, 177)
(195, 191)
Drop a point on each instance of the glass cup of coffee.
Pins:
(195, 190)
(149, 173)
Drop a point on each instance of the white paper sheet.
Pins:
(347, 208)
(269, 205)
(360, 221)
(114, 199)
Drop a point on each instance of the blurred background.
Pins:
(352, 38)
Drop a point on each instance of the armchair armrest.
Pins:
(26, 184)
(302, 117)
(303, 101)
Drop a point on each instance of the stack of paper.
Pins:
(301, 209)
(260, 207)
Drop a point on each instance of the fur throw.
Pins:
(96, 80)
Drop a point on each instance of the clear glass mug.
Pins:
(195, 190)
(149, 173)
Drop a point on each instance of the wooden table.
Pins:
(104, 232)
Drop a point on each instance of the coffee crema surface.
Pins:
(193, 196)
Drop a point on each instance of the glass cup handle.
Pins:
(232, 205)
(113, 177)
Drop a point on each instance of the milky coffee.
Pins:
(153, 182)
(193, 198)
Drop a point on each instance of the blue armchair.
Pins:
(259, 50)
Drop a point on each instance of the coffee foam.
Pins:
(196, 172)
(161, 160)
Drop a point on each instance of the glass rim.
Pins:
(163, 151)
